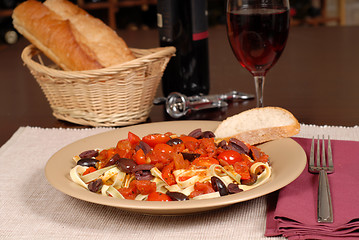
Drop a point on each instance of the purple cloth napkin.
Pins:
(292, 212)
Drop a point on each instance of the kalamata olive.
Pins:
(113, 160)
(251, 180)
(222, 144)
(143, 175)
(197, 133)
(232, 146)
(87, 162)
(239, 144)
(95, 186)
(142, 167)
(255, 154)
(219, 186)
(233, 188)
(142, 171)
(144, 146)
(174, 141)
(126, 164)
(190, 156)
(208, 134)
(226, 147)
(89, 154)
(177, 196)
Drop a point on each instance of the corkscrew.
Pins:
(179, 105)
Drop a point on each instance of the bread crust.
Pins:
(109, 48)
(53, 36)
(255, 137)
(260, 134)
(69, 36)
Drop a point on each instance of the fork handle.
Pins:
(325, 209)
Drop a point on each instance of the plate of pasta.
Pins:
(172, 168)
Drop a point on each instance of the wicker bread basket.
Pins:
(115, 96)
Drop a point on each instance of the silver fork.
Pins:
(324, 207)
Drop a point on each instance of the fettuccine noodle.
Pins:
(216, 169)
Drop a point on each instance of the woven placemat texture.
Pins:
(31, 208)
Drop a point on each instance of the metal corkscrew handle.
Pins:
(179, 105)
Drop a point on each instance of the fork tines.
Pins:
(321, 163)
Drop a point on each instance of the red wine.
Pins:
(258, 37)
(183, 24)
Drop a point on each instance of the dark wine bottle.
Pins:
(184, 25)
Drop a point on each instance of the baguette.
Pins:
(108, 47)
(65, 40)
(55, 37)
(259, 125)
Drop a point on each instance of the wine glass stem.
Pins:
(259, 83)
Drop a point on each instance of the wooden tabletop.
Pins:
(316, 79)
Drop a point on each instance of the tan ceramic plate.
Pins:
(287, 159)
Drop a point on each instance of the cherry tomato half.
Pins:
(205, 161)
(230, 156)
(201, 188)
(167, 174)
(185, 138)
(139, 157)
(162, 153)
(242, 169)
(145, 186)
(190, 143)
(124, 148)
(130, 192)
(157, 196)
(133, 138)
(154, 139)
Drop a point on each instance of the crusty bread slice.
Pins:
(259, 125)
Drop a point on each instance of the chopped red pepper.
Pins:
(89, 170)
(167, 174)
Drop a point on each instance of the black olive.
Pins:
(255, 154)
(144, 146)
(95, 186)
(222, 144)
(113, 160)
(177, 196)
(197, 133)
(126, 164)
(174, 141)
(208, 134)
(87, 162)
(142, 167)
(143, 175)
(251, 180)
(232, 146)
(190, 156)
(88, 154)
(241, 146)
(219, 186)
(233, 188)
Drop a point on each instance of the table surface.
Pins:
(316, 79)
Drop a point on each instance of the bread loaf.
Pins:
(108, 47)
(65, 41)
(55, 37)
(259, 125)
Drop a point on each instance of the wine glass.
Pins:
(257, 31)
